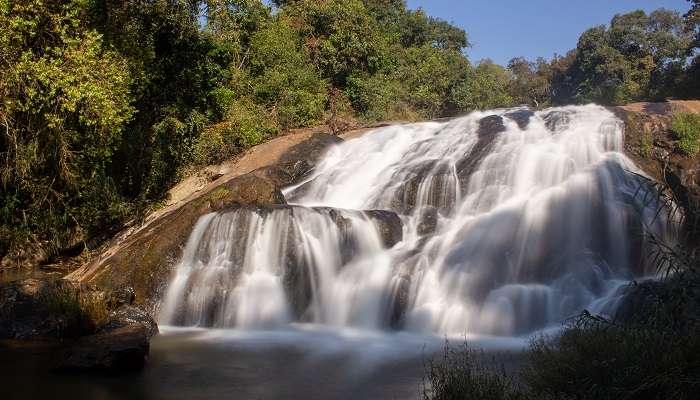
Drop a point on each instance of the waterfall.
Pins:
(508, 221)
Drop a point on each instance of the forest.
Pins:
(105, 104)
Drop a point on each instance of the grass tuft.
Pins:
(686, 127)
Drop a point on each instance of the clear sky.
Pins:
(503, 29)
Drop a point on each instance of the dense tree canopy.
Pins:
(637, 57)
(104, 104)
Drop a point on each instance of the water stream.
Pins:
(398, 239)
(504, 232)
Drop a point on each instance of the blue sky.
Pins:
(503, 29)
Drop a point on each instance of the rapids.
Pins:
(510, 224)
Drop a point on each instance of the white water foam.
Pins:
(504, 233)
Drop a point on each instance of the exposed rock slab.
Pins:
(143, 259)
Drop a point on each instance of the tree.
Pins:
(180, 76)
(530, 82)
(484, 88)
(638, 57)
(64, 99)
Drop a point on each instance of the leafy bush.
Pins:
(601, 360)
(246, 125)
(65, 101)
(284, 78)
(379, 97)
(686, 127)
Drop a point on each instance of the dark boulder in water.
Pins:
(557, 120)
(427, 220)
(521, 117)
(116, 350)
(95, 329)
(491, 125)
(388, 225)
(429, 182)
(130, 316)
(300, 159)
(43, 308)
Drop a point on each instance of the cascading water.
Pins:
(512, 221)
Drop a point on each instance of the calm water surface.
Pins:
(211, 364)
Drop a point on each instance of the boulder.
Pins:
(491, 125)
(130, 316)
(388, 225)
(300, 159)
(556, 121)
(427, 221)
(521, 117)
(116, 350)
(28, 256)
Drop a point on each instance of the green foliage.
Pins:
(340, 36)
(531, 81)
(284, 79)
(430, 75)
(246, 125)
(65, 99)
(378, 97)
(595, 359)
(686, 127)
(486, 87)
(636, 58)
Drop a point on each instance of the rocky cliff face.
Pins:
(649, 142)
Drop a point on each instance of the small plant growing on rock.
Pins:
(686, 127)
(81, 311)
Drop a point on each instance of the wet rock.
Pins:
(469, 163)
(122, 296)
(557, 121)
(427, 221)
(116, 350)
(521, 117)
(432, 180)
(389, 226)
(399, 301)
(491, 125)
(300, 159)
(130, 316)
